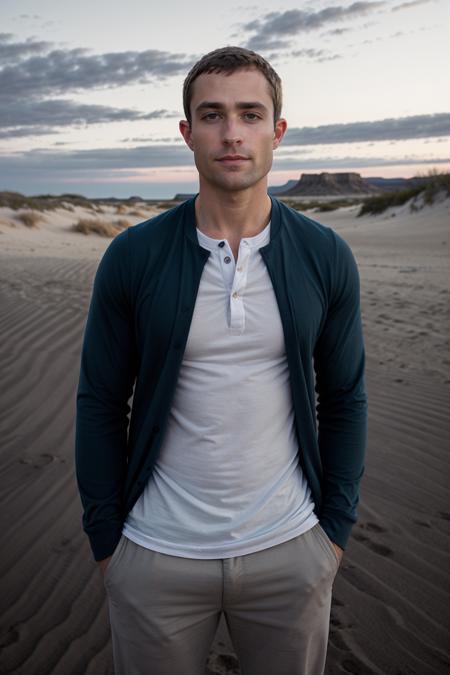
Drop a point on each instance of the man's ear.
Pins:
(186, 132)
(280, 130)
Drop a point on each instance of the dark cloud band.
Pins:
(398, 129)
(276, 29)
(62, 71)
(29, 118)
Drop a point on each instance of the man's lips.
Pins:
(232, 158)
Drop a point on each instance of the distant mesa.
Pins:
(182, 196)
(281, 189)
(329, 184)
(346, 183)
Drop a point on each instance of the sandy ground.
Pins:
(391, 602)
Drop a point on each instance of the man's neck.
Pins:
(232, 215)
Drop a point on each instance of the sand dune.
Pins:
(391, 602)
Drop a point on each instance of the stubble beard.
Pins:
(236, 180)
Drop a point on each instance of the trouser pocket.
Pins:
(327, 545)
(114, 558)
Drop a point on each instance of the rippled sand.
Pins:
(392, 595)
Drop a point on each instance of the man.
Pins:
(223, 496)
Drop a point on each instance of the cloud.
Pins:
(338, 31)
(271, 31)
(33, 73)
(22, 132)
(116, 159)
(63, 70)
(261, 43)
(350, 162)
(61, 113)
(412, 3)
(151, 139)
(13, 51)
(400, 128)
(314, 54)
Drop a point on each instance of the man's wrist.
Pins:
(103, 564)
(339, 551)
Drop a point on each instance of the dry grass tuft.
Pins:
(137, 213)
(29, 218)
(103, 228)
(121, 209)
(122, 223)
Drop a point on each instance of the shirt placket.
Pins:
(237, 291)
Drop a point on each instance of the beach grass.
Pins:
(103, 228)
(322, 206)
(29, 218)
(425, 192)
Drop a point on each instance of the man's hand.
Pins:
(103, 564)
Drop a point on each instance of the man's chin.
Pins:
(235, 182)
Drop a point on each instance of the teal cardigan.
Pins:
(142, 304)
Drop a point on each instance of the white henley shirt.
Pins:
(227, 481)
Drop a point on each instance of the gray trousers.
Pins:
(164, 610)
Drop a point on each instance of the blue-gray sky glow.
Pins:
(90, 94)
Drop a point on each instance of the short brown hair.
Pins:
(228, 60)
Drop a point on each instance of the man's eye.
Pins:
(251, 116)
(211, 116)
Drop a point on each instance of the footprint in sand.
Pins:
(39, 461)
(372, 527)
(381, 549)
(44, 459)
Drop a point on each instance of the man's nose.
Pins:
(232, 133)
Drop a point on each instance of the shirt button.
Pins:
(235, 295)
(227, 259)
(239, 269)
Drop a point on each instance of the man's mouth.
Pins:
(232, 158)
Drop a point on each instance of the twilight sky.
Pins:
(90, 92)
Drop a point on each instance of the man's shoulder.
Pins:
(317, 247)
(143, 245)
(159, 226)
(313, 237)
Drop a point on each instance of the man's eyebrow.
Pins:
(242, 105)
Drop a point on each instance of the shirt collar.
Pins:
(212, 244)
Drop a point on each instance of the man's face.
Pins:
(232, 133)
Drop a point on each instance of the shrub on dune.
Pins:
(122, 223)
(426, 191)
(137, 213)
(103, 228)
(29, 218)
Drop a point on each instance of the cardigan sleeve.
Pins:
(341, 398)
(108, 370)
